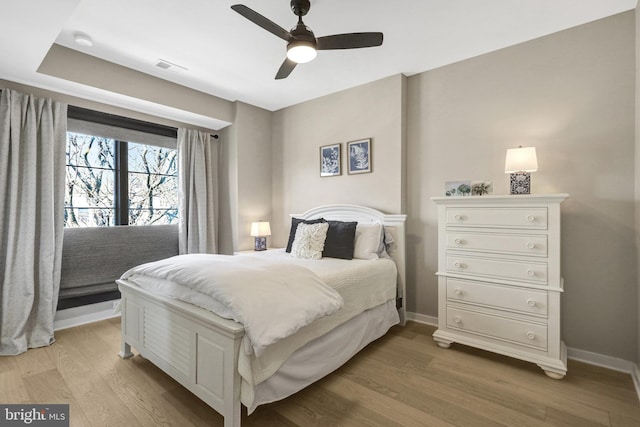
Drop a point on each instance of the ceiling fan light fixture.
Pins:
(302, 44)
(301, 52)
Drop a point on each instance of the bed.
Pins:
(207, 353)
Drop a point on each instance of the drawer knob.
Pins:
(458, 217)
(531, 273)
(531, 218)
(458, 242)
(531, 245)
(457, 264)
(457, 320)
(531, 303)
(531, 335)
(457, 291)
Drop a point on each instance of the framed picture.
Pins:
(457, 188)
(359, 156)
(481, 188)
(330, 160)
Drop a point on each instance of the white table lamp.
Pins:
(260, 230)
(519, 163)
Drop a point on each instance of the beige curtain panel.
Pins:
(32, 175)
(198, 157)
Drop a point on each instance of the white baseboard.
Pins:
(422, 318)
(596, 359)
(82, 315)
(602, 360)
(635, 375)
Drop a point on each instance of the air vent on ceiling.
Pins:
(166, 65)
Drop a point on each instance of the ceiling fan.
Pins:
(302, 44)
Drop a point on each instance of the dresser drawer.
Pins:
(503, 297)
(533, 272)
(527, 218)
(516, 331)
(504, 243)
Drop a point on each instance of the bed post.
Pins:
(396, 224)
(125, 347)
(125, 350)
(235, 419)
(232, 406)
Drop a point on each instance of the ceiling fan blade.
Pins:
(349, 41)
(285, 69)
(261, 21)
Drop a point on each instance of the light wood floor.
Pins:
(403, 379)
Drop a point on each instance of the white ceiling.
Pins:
(230, 57)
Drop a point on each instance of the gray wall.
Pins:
(375, 111)
(571, 95)
(248, 154)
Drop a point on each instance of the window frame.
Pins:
(121, 187)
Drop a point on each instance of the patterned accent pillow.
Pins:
(294, 227)
(309, 241)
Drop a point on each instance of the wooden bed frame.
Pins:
(200, 349)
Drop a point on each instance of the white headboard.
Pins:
(395, 224)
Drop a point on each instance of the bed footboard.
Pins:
(194, 346)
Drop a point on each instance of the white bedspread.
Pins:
(362, 284)
(273, 300)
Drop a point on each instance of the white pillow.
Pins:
(368, 238)
(386, 244)
(309, 240)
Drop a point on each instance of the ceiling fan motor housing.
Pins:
(302, 33)
(300, 7)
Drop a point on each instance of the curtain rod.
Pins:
(80, 113)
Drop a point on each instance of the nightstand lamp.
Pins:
(260, 230)
(519, 163)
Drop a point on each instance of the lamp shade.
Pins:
(260, 228)
(522, 159)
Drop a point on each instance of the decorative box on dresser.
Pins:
(499, 281)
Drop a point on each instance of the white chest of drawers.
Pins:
(499, 281)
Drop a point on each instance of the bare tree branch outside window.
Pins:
(153, 185)
(89, 199)
(91, 189)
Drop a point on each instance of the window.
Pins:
(119, 176)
